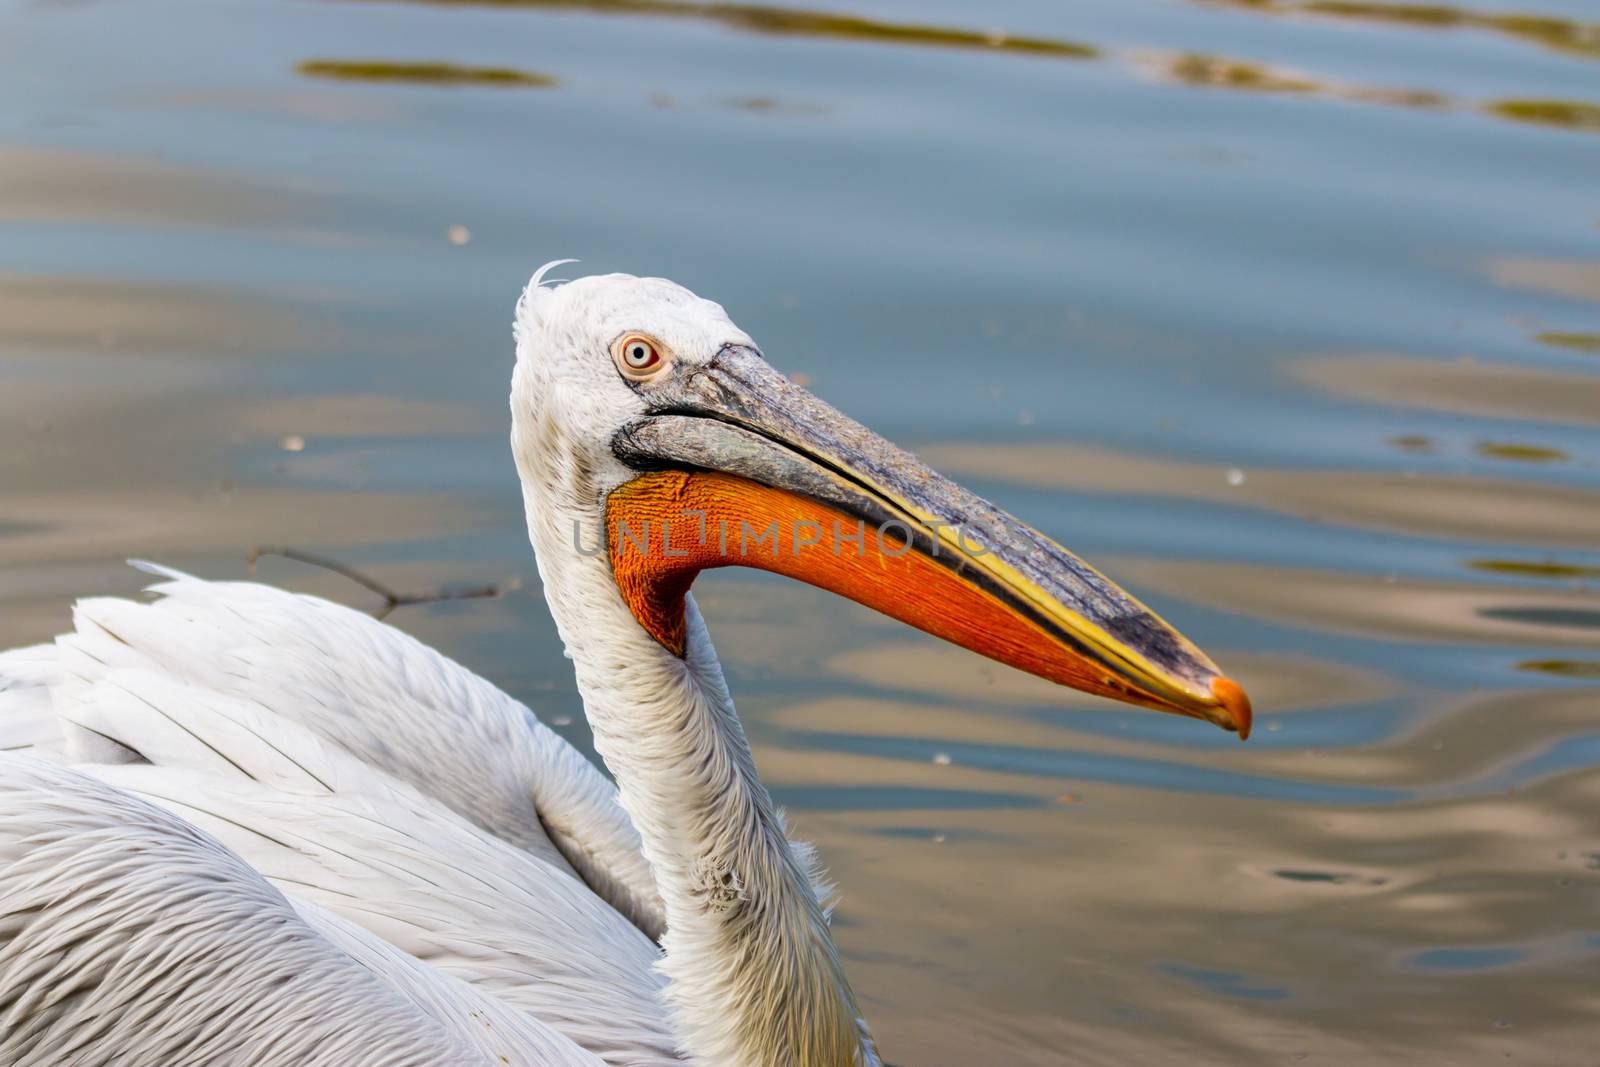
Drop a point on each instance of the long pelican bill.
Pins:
(738, 466)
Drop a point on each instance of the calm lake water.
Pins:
(1284, 312)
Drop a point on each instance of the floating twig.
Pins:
(391, 598)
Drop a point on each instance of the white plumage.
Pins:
(129, 937)
(328, 829)
(214, 737)
(27, 712)
(376, 691)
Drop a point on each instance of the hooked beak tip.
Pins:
(1232, 697)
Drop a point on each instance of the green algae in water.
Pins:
(1527, 569)
(1410, 14)
(1520, 453)
(1195, 68)
(423, 73)
(1577, 342)
(1563, 668)
(1412, 442)
(820, 24)
(1568, 114)
(781, 21)
(1219, 72)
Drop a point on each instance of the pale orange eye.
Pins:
(638, 356)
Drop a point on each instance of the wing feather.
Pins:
(377, 852)
(27, 719)
(388, 699)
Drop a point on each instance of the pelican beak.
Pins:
(738, 466)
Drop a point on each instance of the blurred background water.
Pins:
(1284, 312)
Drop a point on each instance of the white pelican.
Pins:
(243, 826)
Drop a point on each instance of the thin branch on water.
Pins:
(391, 598)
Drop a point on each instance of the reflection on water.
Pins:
(55, 185)
(1226, 983)
(84, 314)
(785, 21)
(1467, 959)
(1409, 610)
(1407, 501)
(1329, 878)
(1577, 279)
(1218, 72)
(1314, 376)
(1565, 35)
(1465, 385)
(1188, 68)
(1285, 683)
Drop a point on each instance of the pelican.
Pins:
(244, 826)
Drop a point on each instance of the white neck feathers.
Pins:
(755, 980)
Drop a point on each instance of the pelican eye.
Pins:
(638, 356)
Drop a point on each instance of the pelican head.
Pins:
(653, 435)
